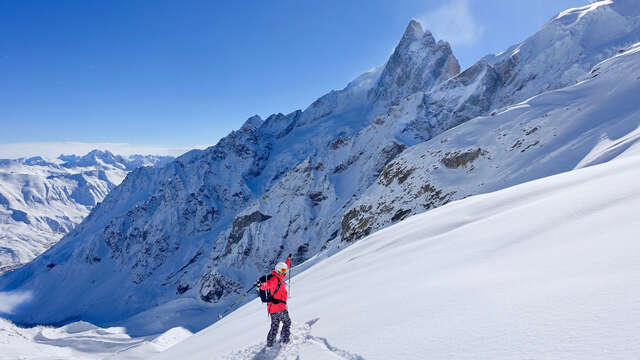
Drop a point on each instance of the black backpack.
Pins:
(265, 295)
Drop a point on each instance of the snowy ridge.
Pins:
(189, 236)
(41, 200)
(566, 48)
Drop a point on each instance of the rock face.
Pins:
(417, 64)
(308, 182)
(42, 200)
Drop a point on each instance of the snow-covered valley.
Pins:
(41, 200)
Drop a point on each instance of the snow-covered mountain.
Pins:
(198, 230)
(41, 200)
(548, 268)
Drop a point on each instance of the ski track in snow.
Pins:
(302, 343)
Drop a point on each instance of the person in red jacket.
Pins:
(277, 306)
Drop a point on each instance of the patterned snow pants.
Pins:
(276, 318)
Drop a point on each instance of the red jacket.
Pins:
(271, 285)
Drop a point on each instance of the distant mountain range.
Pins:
(409, 136)
(41, 200)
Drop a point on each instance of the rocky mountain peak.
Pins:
(418, 63)
(413, 32)
(416, 39)
(277, 125)
(96, 158)
(100, 154)
(255, 121)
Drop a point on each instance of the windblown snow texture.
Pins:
(198, 230)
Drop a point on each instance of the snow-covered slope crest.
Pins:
(543, 269)
(585, 124)
(41, 200)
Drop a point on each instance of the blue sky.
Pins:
(182, 74)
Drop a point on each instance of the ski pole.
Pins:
(289, 282)
(289, 276)
(235, 302)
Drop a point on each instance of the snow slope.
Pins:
(542, 270)
(41, 200)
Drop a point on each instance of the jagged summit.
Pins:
(95, 157)
(418, 63)
(278, 125)
(413, 32)
(416, 38)
(254, 121)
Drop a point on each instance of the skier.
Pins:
(277, 305)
